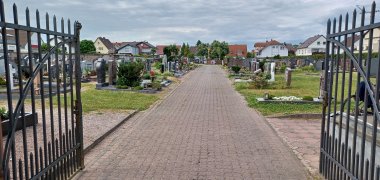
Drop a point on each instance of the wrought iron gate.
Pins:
(43, 81)
(349, 145)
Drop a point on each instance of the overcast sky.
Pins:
(177, 21)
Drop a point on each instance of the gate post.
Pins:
(2, 173)
(78, 101)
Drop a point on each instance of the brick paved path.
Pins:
(204, 130)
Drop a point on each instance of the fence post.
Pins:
(78, 101)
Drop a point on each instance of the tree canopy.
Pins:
(87, 46)
(218, 49)
(171, 52)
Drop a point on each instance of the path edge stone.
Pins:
(102, 137)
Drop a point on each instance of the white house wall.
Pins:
(129, 50)
(273, 50)
(319, 45)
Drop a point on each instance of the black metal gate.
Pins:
(42, 131)
(349, 145)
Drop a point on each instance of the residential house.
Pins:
(356, 41)
(315, 44)
(23, 41)
(270, 49)
(237, 50)
(103, 45)
(134, 48)
(129, 48)
(375, 40)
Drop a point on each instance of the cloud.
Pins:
(168, 21)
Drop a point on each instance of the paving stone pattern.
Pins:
(303, 137)
(203, 130)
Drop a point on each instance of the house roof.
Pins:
(134, 44)
(106, 42)
(23, 38)
(350, 39)
(267, 43)
(309, 41)
(234, 49)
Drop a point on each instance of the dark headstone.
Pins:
(101, 72)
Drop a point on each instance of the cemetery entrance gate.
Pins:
(349, 128)
(42, 132)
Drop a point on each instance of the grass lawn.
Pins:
(303, 84)
(95, 100)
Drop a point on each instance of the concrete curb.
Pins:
(101, 138)
(298, 116)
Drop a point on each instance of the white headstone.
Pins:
(272, 69)
(11, 73)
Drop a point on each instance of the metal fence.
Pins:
(42, 91)
(349, 144)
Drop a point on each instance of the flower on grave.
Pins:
(287, 98)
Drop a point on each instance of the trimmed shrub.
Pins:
(307, 98)
(235, 69)
(146, 76)
(129, 74)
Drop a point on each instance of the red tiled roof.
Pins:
(267, 43)
(237, 50)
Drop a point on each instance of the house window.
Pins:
(318, 43)
(282, 48)
(324, 43)
(100, 48)
(273, 47)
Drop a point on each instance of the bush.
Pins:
(308, 69)
(168, 74)
(129, 74)
(156, 85)
(282, 68)
(138, 88)
(267, 76)
(157, 65)
(259, 82)
(307, 98)
(235, 69)
(146, 76)
(122, 87)
(2, 81)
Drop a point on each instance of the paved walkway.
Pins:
(203, 130)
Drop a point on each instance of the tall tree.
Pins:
(171, 52)
(218, 49)
(202, 49)
(199, 42)
(250, 55)
(87, 46)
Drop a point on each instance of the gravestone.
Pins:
(288, 77)
(101, 73)
(12, 71)
(165, 62)
(272, 70)
(147, 65)
(112, 70)
(319, 65)
(162, 68)
(170, 66)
